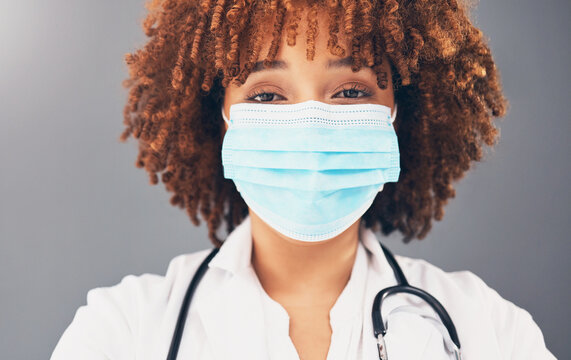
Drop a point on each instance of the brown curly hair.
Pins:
(444, 79)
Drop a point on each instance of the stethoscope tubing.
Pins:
(179, 328)
(404, 287)
(379, 326)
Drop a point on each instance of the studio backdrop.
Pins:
(75, 212)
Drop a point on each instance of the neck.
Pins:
(300, 272)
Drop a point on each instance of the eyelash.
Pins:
(257, 93)
(355, 86)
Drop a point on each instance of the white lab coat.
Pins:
(135, 319)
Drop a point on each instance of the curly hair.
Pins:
(444, 80)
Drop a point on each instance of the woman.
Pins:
(299, 150)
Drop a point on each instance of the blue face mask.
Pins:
(311, 169)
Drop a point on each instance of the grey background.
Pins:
(76, 214)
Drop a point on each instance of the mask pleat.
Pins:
(310, 139)
(310, 160)
(307, 207)
(310, 179)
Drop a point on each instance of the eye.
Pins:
(353, 92)
(263, 96)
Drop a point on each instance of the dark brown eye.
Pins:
(351, 93)
(265, 96)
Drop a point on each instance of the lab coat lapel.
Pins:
(232, 318)
(379, 276)
(230, 307)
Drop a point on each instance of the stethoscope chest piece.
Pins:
(381, 346)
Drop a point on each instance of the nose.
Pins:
(309, 85)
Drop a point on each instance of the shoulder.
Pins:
(182, 265)
(425, 273)
(112, 316)
(147, 288)
(454, 283)
(514, 326)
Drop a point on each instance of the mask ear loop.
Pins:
(224, 116)
(394, 114)
(393, 118)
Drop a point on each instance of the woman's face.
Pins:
(327, 78)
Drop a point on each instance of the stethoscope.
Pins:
(380, 329)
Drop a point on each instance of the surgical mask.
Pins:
(310, 169)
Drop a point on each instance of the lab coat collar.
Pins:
(379, 263)
(235, 254)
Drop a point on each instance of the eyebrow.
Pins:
(346, 61)
(279, 64)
